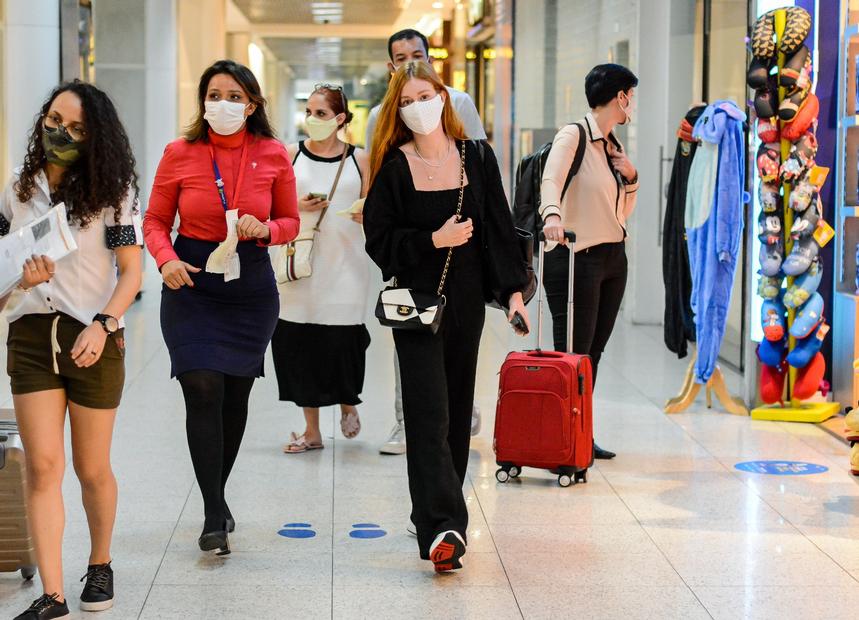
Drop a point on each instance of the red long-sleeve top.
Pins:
(185, 182)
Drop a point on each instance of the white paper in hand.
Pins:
(356, 208)
(48, 235)
(224, 258)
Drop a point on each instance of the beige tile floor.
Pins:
(667, 530)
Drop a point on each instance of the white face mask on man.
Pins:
(225, 117)
(627, 110)
(423, 117)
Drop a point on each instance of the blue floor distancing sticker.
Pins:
(297, 530)
(781, 468)
(367, 530)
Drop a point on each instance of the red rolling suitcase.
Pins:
(544, 416)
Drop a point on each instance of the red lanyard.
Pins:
(219, 181)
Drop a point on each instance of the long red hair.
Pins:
(391, 132)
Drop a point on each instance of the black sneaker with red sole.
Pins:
(446, 551)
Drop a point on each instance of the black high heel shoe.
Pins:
(217, 541)
(231, 522)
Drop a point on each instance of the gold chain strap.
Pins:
(458, 213)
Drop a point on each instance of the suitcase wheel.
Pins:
(28, 572)
(514, 472)
(564, 480)
(581, 476)
(502, 475)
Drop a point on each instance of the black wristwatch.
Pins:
(109, 323)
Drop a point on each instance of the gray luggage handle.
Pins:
(570, 236)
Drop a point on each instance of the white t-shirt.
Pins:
(84, 280)
(463, 105)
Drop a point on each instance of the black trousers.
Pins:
(438, 374)
(598, 287)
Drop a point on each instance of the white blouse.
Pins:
(84, 280)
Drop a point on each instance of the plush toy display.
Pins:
(773, 319)
(789, 186)
(806, 349)
(804, 286)
(770, 287)
(772, 353)
(809, 318)
(808, 378)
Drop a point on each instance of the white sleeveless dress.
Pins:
(320, 343)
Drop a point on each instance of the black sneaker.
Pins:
(446, 551)
(45, 608)
(98, 591)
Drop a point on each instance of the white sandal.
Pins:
(298, 444)
(350, 424)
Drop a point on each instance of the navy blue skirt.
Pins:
(217, 325)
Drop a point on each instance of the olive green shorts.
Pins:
(30, 362)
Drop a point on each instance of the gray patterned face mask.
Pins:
(60, 147)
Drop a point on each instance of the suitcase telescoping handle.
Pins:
(571, 237)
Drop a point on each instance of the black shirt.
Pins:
(399, 221)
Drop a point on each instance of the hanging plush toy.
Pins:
(768, 161)
(772, 257)
(807, 348)
(766, 100)
(808, 379)
(804, 252)
(796, 28)
(806, 223)
(770, 227)
(772, 353)
(804, 286)
(804, 119)
(796, 70)
(809, 317)
(768, 193)
(770, 287)
(801, 158)
(768, 130)
(773, 319)
(772, 383)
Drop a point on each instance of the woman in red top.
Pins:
(232, 184)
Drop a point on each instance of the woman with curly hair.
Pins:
(232, 184)
(66, 346)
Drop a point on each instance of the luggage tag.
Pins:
(817, 176)
(224, 258)
(824, 233)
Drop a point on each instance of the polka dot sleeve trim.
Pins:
(122, 236)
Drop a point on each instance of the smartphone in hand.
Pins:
(318, 196)
(519, 324)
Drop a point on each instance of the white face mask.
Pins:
(423, 117)
(225, 117)
(319, 129)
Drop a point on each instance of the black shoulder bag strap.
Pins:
(577, 160)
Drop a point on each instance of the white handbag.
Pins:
(295, 259)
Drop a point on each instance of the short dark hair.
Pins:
(257, 123)
(405, 35)
(604, 82)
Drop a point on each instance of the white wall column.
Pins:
(136, 66)
(32, 69)
(644, 299)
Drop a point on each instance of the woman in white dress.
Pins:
(320, 342)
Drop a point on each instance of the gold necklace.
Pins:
(431, 165)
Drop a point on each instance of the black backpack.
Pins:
(529, 175)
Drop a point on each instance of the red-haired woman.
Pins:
(421, 166)
(232, 184)
(320, 342)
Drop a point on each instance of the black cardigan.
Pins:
(398, 250)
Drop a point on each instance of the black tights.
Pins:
(217, 411)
